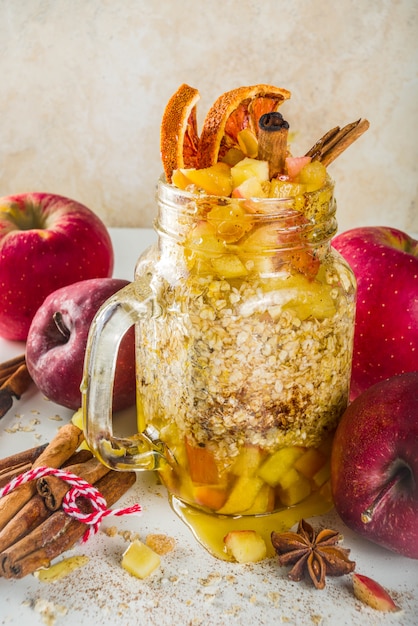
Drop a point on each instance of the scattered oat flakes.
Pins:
(48, 610)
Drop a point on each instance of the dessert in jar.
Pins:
(244, 320)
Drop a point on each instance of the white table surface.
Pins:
(191, 587)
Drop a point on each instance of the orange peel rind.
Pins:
(179, 137)
(233, 112)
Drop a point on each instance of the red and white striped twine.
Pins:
(81, 488)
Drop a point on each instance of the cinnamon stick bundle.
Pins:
(64, 444)
(35, 511)
(57, 533)
(16, 464)
(53, 489)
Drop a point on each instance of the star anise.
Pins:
(314, 552)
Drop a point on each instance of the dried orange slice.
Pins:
(231, 113)
(179, 138)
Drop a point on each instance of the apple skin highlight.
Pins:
(46, 241)
(374, 463)
(55, 351)
(385, 263)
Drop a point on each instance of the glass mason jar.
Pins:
(244, 318)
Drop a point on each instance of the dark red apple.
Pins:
(46, 242)
(57, 340)
(374, 464)
(385, 263)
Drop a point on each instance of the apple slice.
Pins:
(246, 546)
(372, 593)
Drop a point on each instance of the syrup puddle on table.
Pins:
(210, 529)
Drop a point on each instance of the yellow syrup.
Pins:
(210, 529)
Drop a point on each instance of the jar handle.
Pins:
(125, 308)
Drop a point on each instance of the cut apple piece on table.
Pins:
(246, 546)
(372, 593)
(139, 560)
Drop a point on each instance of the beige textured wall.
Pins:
(84, 84)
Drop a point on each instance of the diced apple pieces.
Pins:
(310, 462)
(313, 175)
(249, 188)
(202, 465)
(278, 464)
(230, 221)
(211, 496)
(264, 501)
(322, 475)
(214, 180)
(293, 488)
(229, 266)
(245, 546)
(372, 593)
(249, 168)
(247, 461)
(139, 560)
(242, 495)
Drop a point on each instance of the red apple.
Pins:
(46, 242)
(385, 263)
(57, 340)
(374, 464)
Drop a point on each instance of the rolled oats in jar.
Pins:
(245, 363)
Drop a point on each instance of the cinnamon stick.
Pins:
(27, 456)
(7, 475)
(53, 489)
(33, 513)
(336, 140)
(13, 387)
(272, 141)
(12, 363)
(64, 444)
(58, 533)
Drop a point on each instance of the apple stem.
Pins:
(59, 323)
(403, 473)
